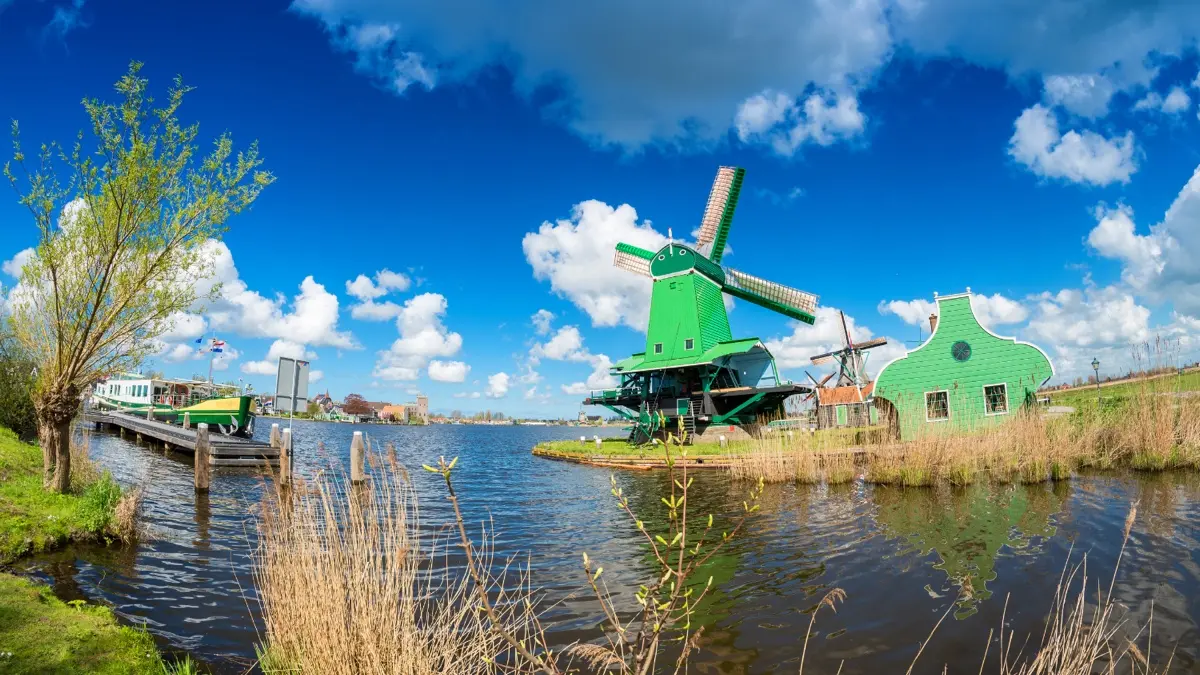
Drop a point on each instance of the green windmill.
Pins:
(692, 372)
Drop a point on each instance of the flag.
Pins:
(217, 350)
(200, 340)
(218, 343)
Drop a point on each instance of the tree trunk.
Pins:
(55, 410)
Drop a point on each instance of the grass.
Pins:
(33, 520)
(349, 584)
(1144, 431)
(45, 635)
(1085, 397)
(619, 448)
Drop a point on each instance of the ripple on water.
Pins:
(902, 556)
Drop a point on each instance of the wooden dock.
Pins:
(223, 450)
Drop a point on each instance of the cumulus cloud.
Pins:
(776, 119)
(1089, 317)
(497, 385)
(691, 84)
(576, 257)
(1176, 101)
(315, 376)
(542, 321)
(12, 267)
(423, 337)
(279, 349)
(575, 389)
(567, 345)
(1164, 263)
(448, 371)
(1079, 157)
(795, 351)
(367, 292)
(912, 312)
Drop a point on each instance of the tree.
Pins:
(125, 231)
(356, 405)
(17, 375)
(314, 408)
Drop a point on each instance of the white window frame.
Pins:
(940, 419)
(689, 344)
(658, 347)
(1007, 402)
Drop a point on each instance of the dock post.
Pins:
(285, 454)
(150, 413)
(275, 435)
(121, 431)
(356, 458)
(187, 420)
(203, 472)
(137, 437)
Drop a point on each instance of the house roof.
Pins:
(843, 395)
(394, 410)
(637, 362)
(378, 405)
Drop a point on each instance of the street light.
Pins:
(1096, 367)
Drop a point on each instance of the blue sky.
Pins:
(487, 156)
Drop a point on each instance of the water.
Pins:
(901, 556)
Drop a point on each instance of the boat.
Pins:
(223, 407)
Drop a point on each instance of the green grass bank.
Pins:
(38, 632)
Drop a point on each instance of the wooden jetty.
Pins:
(222, 450)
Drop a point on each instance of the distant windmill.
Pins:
(851, 358)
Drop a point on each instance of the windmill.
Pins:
(691, 360)
(851, 358)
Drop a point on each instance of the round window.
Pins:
(961, 351)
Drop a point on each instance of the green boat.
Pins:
(222, 407)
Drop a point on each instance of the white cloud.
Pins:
(685, 85)
(448, 371)
(185, 327)
(912, 312)
(774, 119)
(468, 394)
(422, 337)
(1164, 264)
(177, 353)
(542, 321)
(825, 334)
(367, 292)
(279, 349)
(1175, 102)
(576, 257)
(575, 389)
(497, 385)
(1086, 95)
(312, 319)
(12, 266)
(651, 85)
(315, 376)
(1088, 318)
(1080, 157)
(565, 345)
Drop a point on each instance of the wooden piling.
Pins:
(203, 472)
(285, 455)
(275, 435)
(357, 474)
(150, 412)
(187, 420)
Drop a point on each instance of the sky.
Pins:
(452, 176)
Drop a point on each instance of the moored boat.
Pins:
(221, 406)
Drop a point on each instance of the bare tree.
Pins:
(125, 231)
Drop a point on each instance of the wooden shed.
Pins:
(846, 406)
(963, 377)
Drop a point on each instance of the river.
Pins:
(900, 555)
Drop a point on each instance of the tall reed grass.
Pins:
(350, 584)
(1152, 430)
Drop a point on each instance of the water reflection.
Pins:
(967, 528)
(902, 556)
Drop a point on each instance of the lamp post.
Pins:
(1096, 367)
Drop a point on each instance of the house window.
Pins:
(937, 406)
(689, 344)
(995, 399)
(657, 347)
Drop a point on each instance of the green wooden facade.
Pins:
(963, 377)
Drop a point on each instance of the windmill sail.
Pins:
(718, 213)
(788, 301)
(633, 259)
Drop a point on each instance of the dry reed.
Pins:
(349, 584)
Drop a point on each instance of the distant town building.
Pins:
(406, 413)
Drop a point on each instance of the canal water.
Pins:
(902, 556)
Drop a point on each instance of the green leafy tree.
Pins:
(17, 374)
(124, 230)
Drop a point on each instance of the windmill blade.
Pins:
(783, 299)
(718, 212)
(828, 377)
(822, 359)
(633, 259)
(868, 344)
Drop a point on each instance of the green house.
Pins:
(963, 377)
